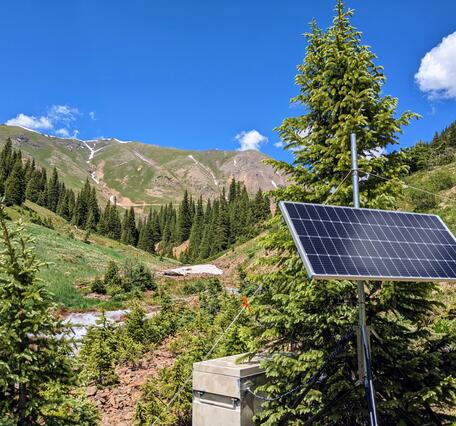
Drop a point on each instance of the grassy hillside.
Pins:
(440, 181)
(72, 260)
(138, 173)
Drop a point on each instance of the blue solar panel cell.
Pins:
(343, 242)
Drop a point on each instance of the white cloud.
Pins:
(437, 73)
(31, 122)
(93, 115)
(250, 139)
(59, 119)
(62, 132)
(63, 114)
(279, 144)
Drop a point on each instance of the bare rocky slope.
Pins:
(141, 174)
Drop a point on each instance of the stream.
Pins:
(79, 322)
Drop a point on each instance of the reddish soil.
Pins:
(117, 404)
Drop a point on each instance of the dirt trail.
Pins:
(117, 405)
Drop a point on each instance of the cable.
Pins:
(208, 354)
(407, 185)
(338, 187)
(266, 399)
(369, 380)
(331, 404)
(312, 380)
(411, 384)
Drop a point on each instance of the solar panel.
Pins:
(366, 244)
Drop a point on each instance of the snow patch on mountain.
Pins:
(207, 169)
(93, 151)
(121, 141)
(93, 175)
(141, 157)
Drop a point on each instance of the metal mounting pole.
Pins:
(364, 357)
(354, 157)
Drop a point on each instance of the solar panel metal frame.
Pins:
(316, 276)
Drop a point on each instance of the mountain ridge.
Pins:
(140, 174)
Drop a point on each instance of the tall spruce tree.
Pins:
(5, 164)
(129, 230)
(104, 219)
(15, 185)
(114, 223)
(184, 219)
(82, 206)
(147, 237)
(33, 188)
(222, 227)
(53, 191)
(301, 321)
(43, 185)
(196, 233)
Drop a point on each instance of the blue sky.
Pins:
(196, 74)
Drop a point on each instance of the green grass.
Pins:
(71, 261)
(440, 181)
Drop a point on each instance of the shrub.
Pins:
(98, 353)
(193, 287)
(136, 275)
(98, 286)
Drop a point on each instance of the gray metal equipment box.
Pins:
(219, 396)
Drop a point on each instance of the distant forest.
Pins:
(441, 150)
(209, 227)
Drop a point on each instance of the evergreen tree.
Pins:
(110, 224)
(104, 219)
(33, 360)
(83, 206)
(340, 87)
(205, 245)
(135, 323)
(156, 227)
(93, 209)
(244, 218)
(53, 191)
(111, 276)
(63, 208)
(29, 169)
(147, 235)
(90, 223)
(213, 228)
(185, 219)
(15, 185)
(196, 233)
(98, 353)
(71, 204)
(33, 189)
(232, 193)
(129, 230)
(169, 237)
(5, 164)
(258, 212)
(222, 226)
(43, 185)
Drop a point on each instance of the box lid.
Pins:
(228, 366)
